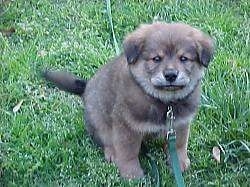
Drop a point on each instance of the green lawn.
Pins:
(45, 142)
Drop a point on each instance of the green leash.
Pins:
(175, 160)
(117, 51)
(171, 139)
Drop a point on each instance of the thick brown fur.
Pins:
(162, 65)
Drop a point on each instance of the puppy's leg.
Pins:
(182, 134)
(127, 145)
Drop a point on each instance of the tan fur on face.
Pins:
(166, 40)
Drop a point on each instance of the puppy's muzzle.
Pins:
(170, 79)
(170, 75)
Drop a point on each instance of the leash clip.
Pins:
(171, 134)
(169, 122)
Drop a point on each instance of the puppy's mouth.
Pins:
(170, 87)
(160, 82)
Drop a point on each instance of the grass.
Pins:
(45, 143)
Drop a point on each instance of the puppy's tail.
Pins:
(65, 81)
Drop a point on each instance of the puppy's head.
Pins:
(168, 60)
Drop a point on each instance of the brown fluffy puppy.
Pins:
(162, 65)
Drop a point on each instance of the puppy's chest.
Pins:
(156, 113)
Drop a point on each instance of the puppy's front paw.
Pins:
(183, 159)
(132, 173)
(184, 164)
(109, 153)
(131, 169)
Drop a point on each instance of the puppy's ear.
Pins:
(205, 47)
(133, 45)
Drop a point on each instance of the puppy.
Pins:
(162, 65)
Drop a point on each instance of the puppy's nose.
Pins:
(171, 74)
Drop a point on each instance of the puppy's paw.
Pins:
(183, 159)
(132, 173)
(184, 164)
(131, 169)
(109, 153)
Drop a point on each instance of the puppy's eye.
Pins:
(183, 59)
(157, 59)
